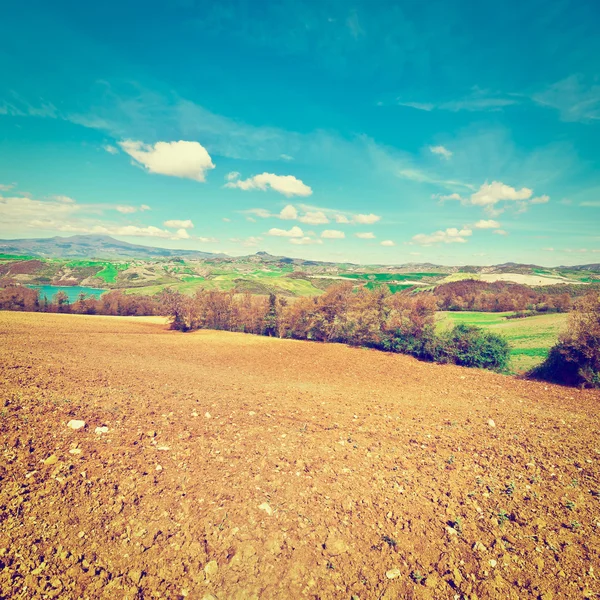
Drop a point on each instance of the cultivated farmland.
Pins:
(235, 466)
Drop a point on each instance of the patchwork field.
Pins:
(229, 466)
(531, 337)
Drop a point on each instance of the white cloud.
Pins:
(288, 185)
(188, 160)
(489, 224)
(226, 220)
(574, 97)
(540, 199)
(548, 249)
(366, 219)
(207, 240)
(333, 234)
(366, 235)
(500, 232)
(388, 243)
(342, 219)
(288, 212)
(286, 157)
(6, 188)
(232, 175)
(591, 204)
(294, 232)
(452, 235)
(110, 149)
(126, 210)
(441, 150)
(490, 194)
(443, 197)
(144, 207)
(305, 241)
(177, 224)
(314, 218)
(259, 212)
(182, 234)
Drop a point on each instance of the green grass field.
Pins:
(530, 338)
(261, 281)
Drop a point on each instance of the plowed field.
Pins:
(240, 467)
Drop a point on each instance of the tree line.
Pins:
(115, 303)
(363, 317)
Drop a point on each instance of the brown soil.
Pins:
(239, 467)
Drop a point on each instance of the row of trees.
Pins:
(371, 318)
(21, 298)
(500, 296)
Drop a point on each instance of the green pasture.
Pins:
(530, 338)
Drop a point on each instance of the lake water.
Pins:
(71, 291)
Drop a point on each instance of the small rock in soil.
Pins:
(76, 424)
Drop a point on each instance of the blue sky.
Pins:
(454, 132)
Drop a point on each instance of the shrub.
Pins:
(471, 346)
(575, 359)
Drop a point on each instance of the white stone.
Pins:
(393, 573)
(491, 423)
(101, 430)
(265, 506)
(76, 424)
(207, 415)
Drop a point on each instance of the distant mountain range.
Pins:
(93, 246)
(106, 247)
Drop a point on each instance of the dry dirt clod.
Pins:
(211, 568)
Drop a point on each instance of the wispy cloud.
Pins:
(478, 100)
(575, 98)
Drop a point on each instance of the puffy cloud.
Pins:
(288, 185)
(294, 232)
(314, 218)
(451, 235)
(366, 219)
(182, 234)
(188, 160)
(305, 241)
(333, 234)
(489, 224)
(110, 149)
(365, 235)
(232, 175)
(490, 194)
(288, 212)
(342, 219)
(443, 197)
(126, 210)
(176, 224)
(500, 232)
(144, 207)
(388, 243)
(441, 150)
